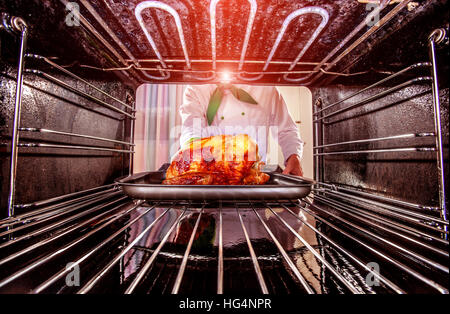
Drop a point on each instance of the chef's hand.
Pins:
(293, 166)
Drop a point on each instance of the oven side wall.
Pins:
(44, 173)
(409, 176)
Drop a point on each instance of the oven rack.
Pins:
(322, 118)
(78, 228)
(137, 69)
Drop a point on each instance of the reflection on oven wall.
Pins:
(158, 125)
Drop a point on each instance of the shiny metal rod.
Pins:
(97, 219)
(31, 215)
(132, 130)
(407, 212)
(54, 210)
(93, 281)
(79, 92)
(317, 255)
(256, 266)
(291, 264)
(378, 139)
(220, 257)
(133, 77)
(398, 247)
(58, 198)
(376, 217)
(40, 130)
(384, 256)
(108, 30)
(163, 6)
(386, 281)
(57, 66)
(338, 187)
(373, 29)
(61, 213)
(146, 267)
(65, 270)
(16, 123)
(382, 150)
(60, 251)
(251, 17)
(174, 60)
(177, 284)
(302, 11)
(316, 135)
(75, 147)
(347, 38)
(434, 37)
(368, 219)
(386, 211)
(407, 69)
(376, 96)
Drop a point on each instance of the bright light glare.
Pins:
(225, 77)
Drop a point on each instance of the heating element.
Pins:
(207, 70)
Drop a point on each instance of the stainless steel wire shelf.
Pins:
(320, 245)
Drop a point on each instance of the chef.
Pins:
(209, 110)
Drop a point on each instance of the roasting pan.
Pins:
(148, 186)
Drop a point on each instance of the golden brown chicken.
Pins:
(223, 159)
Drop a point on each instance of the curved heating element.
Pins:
(308, 76)
(253, 7)
(159, 5)
(138, 13)
(251, 18)
(308, 10)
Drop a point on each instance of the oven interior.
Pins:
(375, 222)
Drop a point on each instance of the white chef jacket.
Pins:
(237, 117)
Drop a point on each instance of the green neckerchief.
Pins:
(217, 95)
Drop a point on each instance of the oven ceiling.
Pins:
(125, 44)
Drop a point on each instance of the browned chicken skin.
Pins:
(223, 159)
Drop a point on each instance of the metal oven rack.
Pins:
(106, 236)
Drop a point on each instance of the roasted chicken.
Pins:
(223, 159)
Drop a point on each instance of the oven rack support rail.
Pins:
(323, 114)
(17, 26)
(135, 67)
(84, 214)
